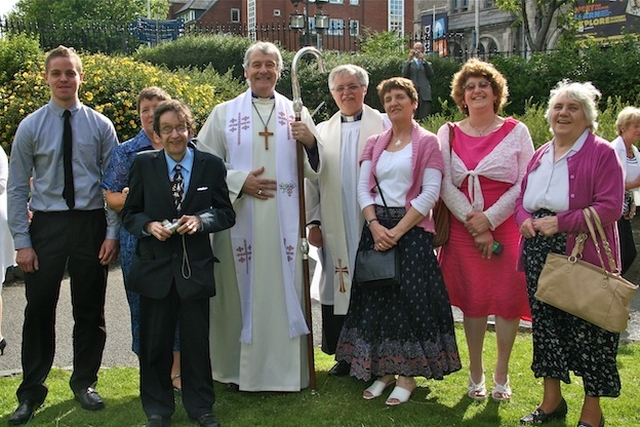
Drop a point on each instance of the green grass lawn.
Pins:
(338, 401)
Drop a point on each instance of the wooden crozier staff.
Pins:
(304, 244)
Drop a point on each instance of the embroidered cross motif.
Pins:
(289, 250)
(238, 125)
(341, 270)
(244, 254)
(287, 187)
(284, 119)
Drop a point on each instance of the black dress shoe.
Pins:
(158, 421)
(208, 420)
(583, 424)
(89, 399)
(233, 387)
(340, 369)
(24, 413)
(540, 417)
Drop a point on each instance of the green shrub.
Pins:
(222, 52)
(16, 52)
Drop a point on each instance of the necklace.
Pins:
(481, 132)
(265, 132)
(398, 143)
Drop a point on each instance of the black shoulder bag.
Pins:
(378, 268)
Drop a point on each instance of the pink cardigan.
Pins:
(425, 153)
(595, 179)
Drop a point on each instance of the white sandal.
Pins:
(501, 392)
(376, 389)
(398, 395)
(477, 391)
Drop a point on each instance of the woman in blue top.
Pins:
(115, 183)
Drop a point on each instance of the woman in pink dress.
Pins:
(484, 166)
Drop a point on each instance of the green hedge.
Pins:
(206, 70)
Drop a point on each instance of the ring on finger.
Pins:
(260, 192)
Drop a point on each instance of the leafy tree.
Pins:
(86, 12)
(89, 25)
(544, 13)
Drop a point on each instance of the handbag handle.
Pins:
(588, 214)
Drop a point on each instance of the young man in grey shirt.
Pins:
(64, 146)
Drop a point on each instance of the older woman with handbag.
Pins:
(404, 329)
(628, 124)
(485, 158)
(573, 171)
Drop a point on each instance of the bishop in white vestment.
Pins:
(258, 329)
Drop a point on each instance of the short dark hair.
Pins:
(178, 107)
(401, 83)
(150, 93)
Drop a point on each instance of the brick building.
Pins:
(347, 18)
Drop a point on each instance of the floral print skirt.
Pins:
(563, 342)
(407, 329)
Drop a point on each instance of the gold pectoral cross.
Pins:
(266, 135)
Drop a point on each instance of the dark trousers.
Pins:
(158, 319)
(628, 250)
(331, 327)
(423, 110)
(72, 239)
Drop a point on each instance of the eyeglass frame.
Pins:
(352, 87)
(168, 130)
(483, 84)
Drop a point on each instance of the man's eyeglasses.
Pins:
(168, 130)
(352, 88)
(472, 86)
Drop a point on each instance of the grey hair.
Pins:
(265, 47)
(351, 70)
(627, 117)
(584, 93)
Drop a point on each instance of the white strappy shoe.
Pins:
(477, 391)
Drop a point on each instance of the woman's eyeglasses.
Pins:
(472, 86)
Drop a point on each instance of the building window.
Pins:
(354, 28)
(396, 15)
(336, 1)
(354, 2)
(460, 5)
(235, 14)
(336, 27)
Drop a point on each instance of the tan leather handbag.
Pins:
(585, 290)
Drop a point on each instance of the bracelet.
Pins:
(370, 221)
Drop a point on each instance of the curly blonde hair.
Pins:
(477, 68)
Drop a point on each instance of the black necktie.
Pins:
(67, 137)
(177, 188)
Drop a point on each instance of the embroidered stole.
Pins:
(331, 203)
(239, 136)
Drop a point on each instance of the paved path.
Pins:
(118, 348)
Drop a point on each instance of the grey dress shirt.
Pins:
(37, 151)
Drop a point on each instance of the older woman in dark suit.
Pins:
(573, 171)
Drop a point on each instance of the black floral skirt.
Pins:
(563, 342)
(407, 329)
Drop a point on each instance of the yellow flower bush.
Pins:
(111, 85)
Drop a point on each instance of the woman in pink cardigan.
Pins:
(406, 330)
(575, 170)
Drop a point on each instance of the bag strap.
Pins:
(452, 135)
(384, 202)
(591, 216)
